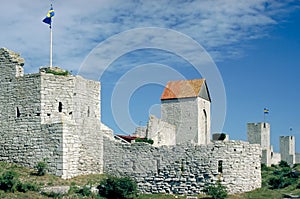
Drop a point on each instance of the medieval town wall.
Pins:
(186, 169)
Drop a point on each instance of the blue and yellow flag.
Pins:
(266, 111)
(48, 18)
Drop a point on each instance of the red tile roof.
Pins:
(182, 89)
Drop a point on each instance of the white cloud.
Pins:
(80, 25)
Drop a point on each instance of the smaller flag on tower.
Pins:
(48, 18)
(266, 111)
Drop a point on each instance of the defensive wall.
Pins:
(56, 119)
(187, 168)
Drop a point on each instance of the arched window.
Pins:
(60, 107)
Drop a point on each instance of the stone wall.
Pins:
(185, 169)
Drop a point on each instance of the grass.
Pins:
(26, 175)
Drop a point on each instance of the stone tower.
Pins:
(259, 133)
(47, 117)
(287, 149)
(186, 105)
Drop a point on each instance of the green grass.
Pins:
(26, 175)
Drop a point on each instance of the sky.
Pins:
(248, 51)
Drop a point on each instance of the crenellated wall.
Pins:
(186, 169)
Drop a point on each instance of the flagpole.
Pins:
(51, 46)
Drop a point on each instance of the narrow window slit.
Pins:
(220, 166)
(60, 107)
(18, 112)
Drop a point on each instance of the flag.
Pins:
(266, 111)
(48, 18)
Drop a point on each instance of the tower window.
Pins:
(60, 107)
(18, 114)
(88, 111)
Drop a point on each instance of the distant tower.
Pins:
(287, 149)
(259, 133)
(186, 104)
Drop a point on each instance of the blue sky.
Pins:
(254, 45)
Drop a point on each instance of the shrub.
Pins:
(283, 164)
(85, 191)
(24, 187)
(118, 188)
(217, 191)
(54, 72)
(8, 181)
(264, 167)
(41, 168)
(150, 141)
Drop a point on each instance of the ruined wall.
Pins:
(188, 116)
(162, 133)
(186, 169)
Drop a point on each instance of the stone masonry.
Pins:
(46, 117)
(186, 169)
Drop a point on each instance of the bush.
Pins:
(118, 188)
(280, 182)
(41, 168)
(264, 167)
(24, 187)
(144, 140)
(283, 164)
(85, 191)
(54, 72)
(8, 181)
(217, 191)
